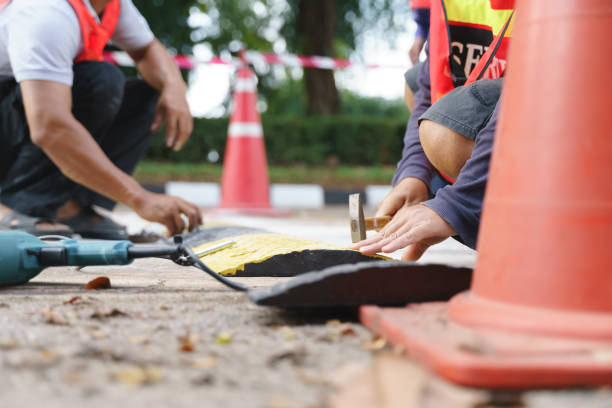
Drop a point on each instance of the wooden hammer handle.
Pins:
(376, 223)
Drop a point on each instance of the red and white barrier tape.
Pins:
(254, 57)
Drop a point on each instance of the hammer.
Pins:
(360, 224)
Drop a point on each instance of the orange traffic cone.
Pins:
(539, 313)
(245, 185)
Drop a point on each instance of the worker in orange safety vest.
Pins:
(73, 128)
(439, 184)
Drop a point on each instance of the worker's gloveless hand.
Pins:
(408, 192)
(167, 210)
(173, 109)
(415, 228)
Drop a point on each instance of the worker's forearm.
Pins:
(81, 159)
(157, 66)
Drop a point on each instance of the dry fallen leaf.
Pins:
(205, 363)
(139, 340)
(8, 344)
(164, 307)
(72, 300)
(377, 343)
(295, 355)
(224, 338)
(346, 329)
(101, 282)
(187, 343)
(136, 376)
(99, 334)
(288, 333)
(53, 317)
(330, 337)
(101, 314)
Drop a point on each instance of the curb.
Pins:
(294, 196)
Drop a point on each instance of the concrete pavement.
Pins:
(62, 346)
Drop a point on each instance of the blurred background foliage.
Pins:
(312, 27)
(308, 122)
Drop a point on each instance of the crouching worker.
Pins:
(440, 181)
(72, 128)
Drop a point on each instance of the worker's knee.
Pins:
(97, 90)
(446, 149)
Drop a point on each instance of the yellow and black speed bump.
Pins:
(261, 253)
(380, 283)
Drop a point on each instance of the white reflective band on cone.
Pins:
(245, 85)
(245, 129)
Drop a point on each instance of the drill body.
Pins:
(23, 256)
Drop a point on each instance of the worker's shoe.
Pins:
(90, 224)
(16, 221)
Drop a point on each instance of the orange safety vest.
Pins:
(95, 36)
(468, 41)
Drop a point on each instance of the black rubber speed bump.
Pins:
(383, 283)
(254, 252)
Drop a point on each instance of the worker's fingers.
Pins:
(375, 244)
(398, 220)
(158, 119)
(168, 222)
(171, 128)
(185, 128)
(193, 214)
(179, 223)
(404, 237)
(390, 205)
(415, 251)
(367, 242)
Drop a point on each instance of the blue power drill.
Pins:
(23, 256)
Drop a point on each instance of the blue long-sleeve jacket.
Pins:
(459, 204)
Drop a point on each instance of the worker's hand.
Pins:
(167, 210)
(174, 110)
(415, 228)
(406, 193)
(415, 50)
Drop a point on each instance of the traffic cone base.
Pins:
(472, 310)
(488, 358)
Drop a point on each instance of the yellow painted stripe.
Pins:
(477, 12)
(256, 248)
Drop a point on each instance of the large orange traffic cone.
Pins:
(245, 184)
(540, 309)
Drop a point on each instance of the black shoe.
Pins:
(16, 221)
(90, 224)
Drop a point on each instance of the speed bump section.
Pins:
(266, 254)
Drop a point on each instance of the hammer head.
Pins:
(358, 228)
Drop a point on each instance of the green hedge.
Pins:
(301, 140)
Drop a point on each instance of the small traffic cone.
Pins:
(245, 186)
(539, 313)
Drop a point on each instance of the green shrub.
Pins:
(328, 140)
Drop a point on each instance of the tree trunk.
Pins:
(317, 21)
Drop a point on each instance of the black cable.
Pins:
(200, 265)
(139, 251)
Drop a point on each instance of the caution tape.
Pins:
(253, 57)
